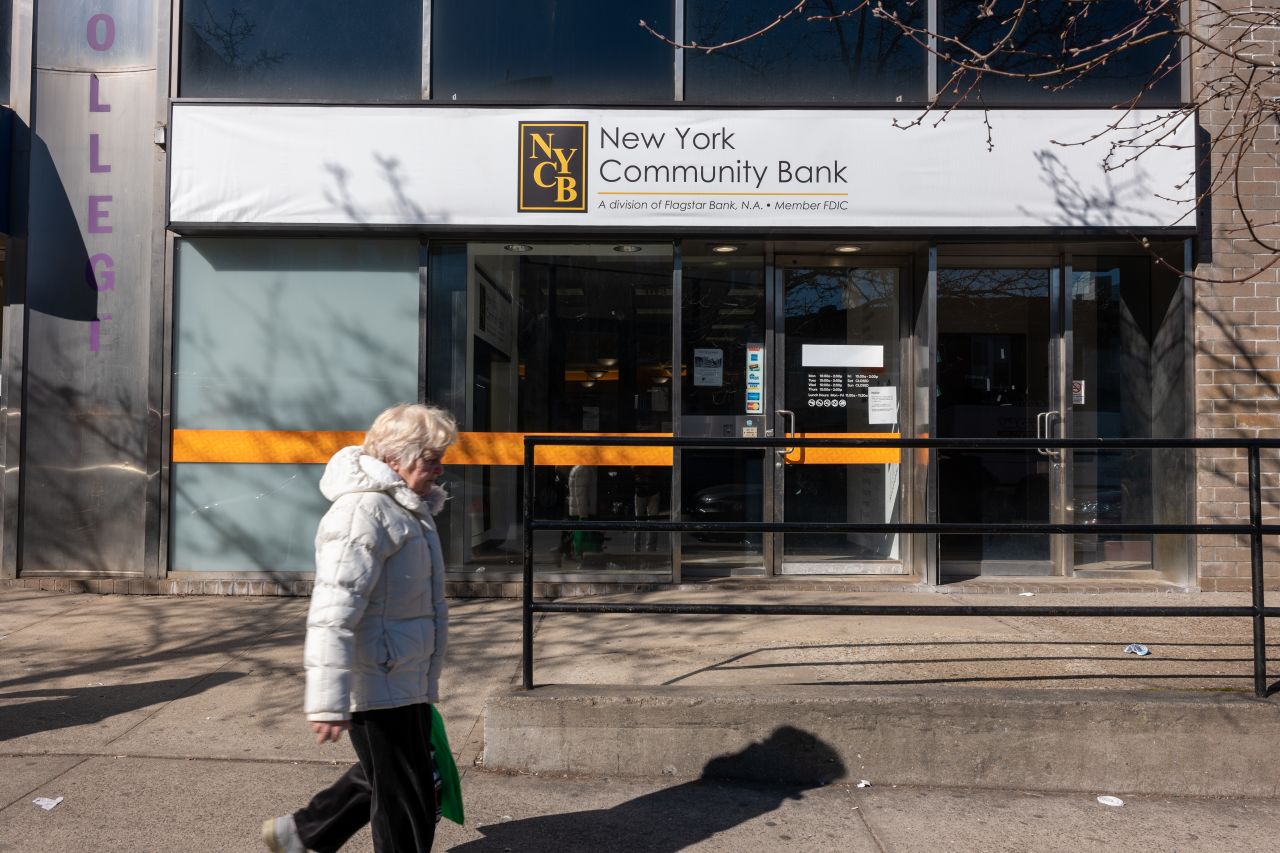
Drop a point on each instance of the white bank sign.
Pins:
(804, 169)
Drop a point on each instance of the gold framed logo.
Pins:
(553, 167)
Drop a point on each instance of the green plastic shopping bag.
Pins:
(450, 785)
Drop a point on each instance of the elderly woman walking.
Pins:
(376, 635)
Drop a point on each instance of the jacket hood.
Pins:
(350, 471)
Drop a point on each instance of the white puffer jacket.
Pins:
(377, 627)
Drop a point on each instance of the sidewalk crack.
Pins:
(45, 619)
(862, 816)
(44, 784)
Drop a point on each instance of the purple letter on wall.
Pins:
(95, 332)
(106, 280)
(101, 32)
(96, 165)
(95, 103)
(98, 216)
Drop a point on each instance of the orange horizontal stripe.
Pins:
(254, 445)
(845, 455)
(314, 447)
(473, 448)
(507, 448)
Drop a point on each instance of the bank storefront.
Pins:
(681, 271)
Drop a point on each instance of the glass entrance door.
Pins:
(790, 345)
(724, 321)
(998, 376)
(840, 374)
(1079, 346)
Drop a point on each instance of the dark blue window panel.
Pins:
(1044, 39)
(318, 49)
(550, 51)
(852, 60)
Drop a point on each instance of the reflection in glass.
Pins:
(559, 51)
(722, 312)
(1119, 310)
(993, 382)
(855, 59)
(266, 338)
(324, 49)
(842, 308)
(1063, 33)
(236, 518)
(555, 339)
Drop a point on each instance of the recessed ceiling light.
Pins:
(627, 248)
(848, 250)
(724, 248)
(588, 383)
(607, 362)
(595, 374)
(518, 247)
(661, 380)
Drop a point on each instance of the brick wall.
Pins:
(1237, 313)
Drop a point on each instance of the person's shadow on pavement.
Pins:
(675, 818)
(63, 707)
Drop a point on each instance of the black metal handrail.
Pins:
(1257, 610)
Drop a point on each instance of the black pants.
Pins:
(394, 787)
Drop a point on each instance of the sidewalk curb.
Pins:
(1174, 743)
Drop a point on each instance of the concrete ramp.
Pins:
(1104, 741)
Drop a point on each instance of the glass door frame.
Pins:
(918, 325)
(1054, 422)
(905, 264)
(915, 384)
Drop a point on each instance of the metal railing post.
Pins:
(1255, 556)
(527, 590)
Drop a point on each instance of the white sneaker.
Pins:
(280, 834)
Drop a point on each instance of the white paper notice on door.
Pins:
(882, 405)
(841, 355)
(708, 368)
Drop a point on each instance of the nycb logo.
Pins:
(553, 166)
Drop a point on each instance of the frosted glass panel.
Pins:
(281, 335)
(245, 518)
(293, 334)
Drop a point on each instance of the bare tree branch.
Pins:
(1059, 46)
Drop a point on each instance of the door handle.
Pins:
(1044, 429)
(1050, 430)
(789, 433)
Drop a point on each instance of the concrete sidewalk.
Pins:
(182, 715)
(1023, 703)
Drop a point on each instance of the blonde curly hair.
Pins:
(410, 431)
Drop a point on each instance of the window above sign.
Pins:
(286, 50)
(1052, 34)
(558, 51)
(855, 59)
(588, 52)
